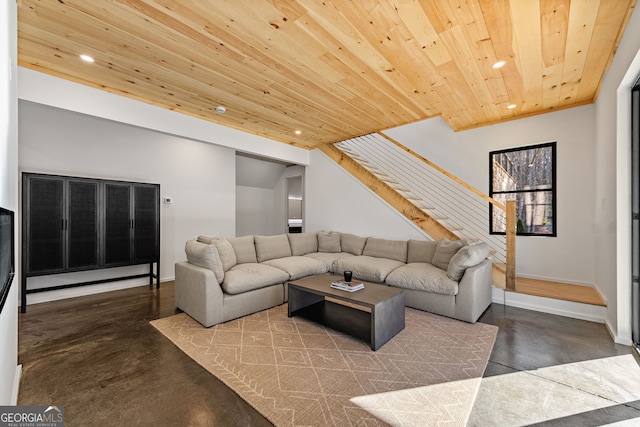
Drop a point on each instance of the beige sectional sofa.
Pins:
(227, 278)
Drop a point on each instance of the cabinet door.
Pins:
(145, 222)
(82, 225)
(44, 210)
(117, 223)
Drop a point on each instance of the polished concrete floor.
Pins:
(99, 358)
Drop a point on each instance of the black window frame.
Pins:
(553, 189)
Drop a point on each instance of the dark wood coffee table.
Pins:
(374, 314)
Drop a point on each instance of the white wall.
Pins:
(255, 211)
(569, 257)
(9, 370)
(258, 196)
(335, 200)
(57, 92)
(199, 177)
(612, 181)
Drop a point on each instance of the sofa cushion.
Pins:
(272, 247)
(468, 256)
(328, 258)
(421, 250)
(298, 266)
(226, 252)
(244, 248)
(329, 241)
(422, 276)
(382, 248)
(206, 239)
(352, 243)
(303, 243)
(249, 276)
(445, 250)
(205, 256)
(367, 268)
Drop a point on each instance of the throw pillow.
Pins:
(303, 243)
(329, 241)
(383, 248)
(445, 250)
(244, 248)
(468, 256)
(207, 239)
(205, 256)
(272, 247)
(352, 244)
(226, 252)
(421, 250)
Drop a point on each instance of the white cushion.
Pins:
(303, 243)
(207, 239)
(205, 256)
(352, 243)
(468, 256)
(328, 258)
(244, 248)
(422, 276)
(249, 276)
(367, 268)
(445, 250)
(329, 241)
(421, 250)
(383, 248)
(226, 253)
(298, 266)
(272, 247)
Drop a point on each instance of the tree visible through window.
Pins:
(526, 175)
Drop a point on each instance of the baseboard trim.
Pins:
(616, 338)
(16, 385)
(570, 309)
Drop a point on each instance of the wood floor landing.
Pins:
(561, 291)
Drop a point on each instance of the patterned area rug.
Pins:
(299, 373)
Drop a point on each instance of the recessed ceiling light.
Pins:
(87, 58)
(499, 64)
(221, 109)
(298, 132)
(511, 107)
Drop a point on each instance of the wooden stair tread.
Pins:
(561, 291)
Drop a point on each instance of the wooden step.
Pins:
(549, 289)
(561, 291)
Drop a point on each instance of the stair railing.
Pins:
(456, 205)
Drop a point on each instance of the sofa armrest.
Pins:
(474, 292)
(198, 293)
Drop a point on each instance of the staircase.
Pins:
(444, 206)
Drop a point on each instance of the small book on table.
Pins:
(347, 286)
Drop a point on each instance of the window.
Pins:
(526, 175)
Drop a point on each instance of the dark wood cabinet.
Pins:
(76, 224)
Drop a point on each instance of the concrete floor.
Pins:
(99, 358)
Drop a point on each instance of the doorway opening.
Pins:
(295, 220)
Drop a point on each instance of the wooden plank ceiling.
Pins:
(330, 69)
